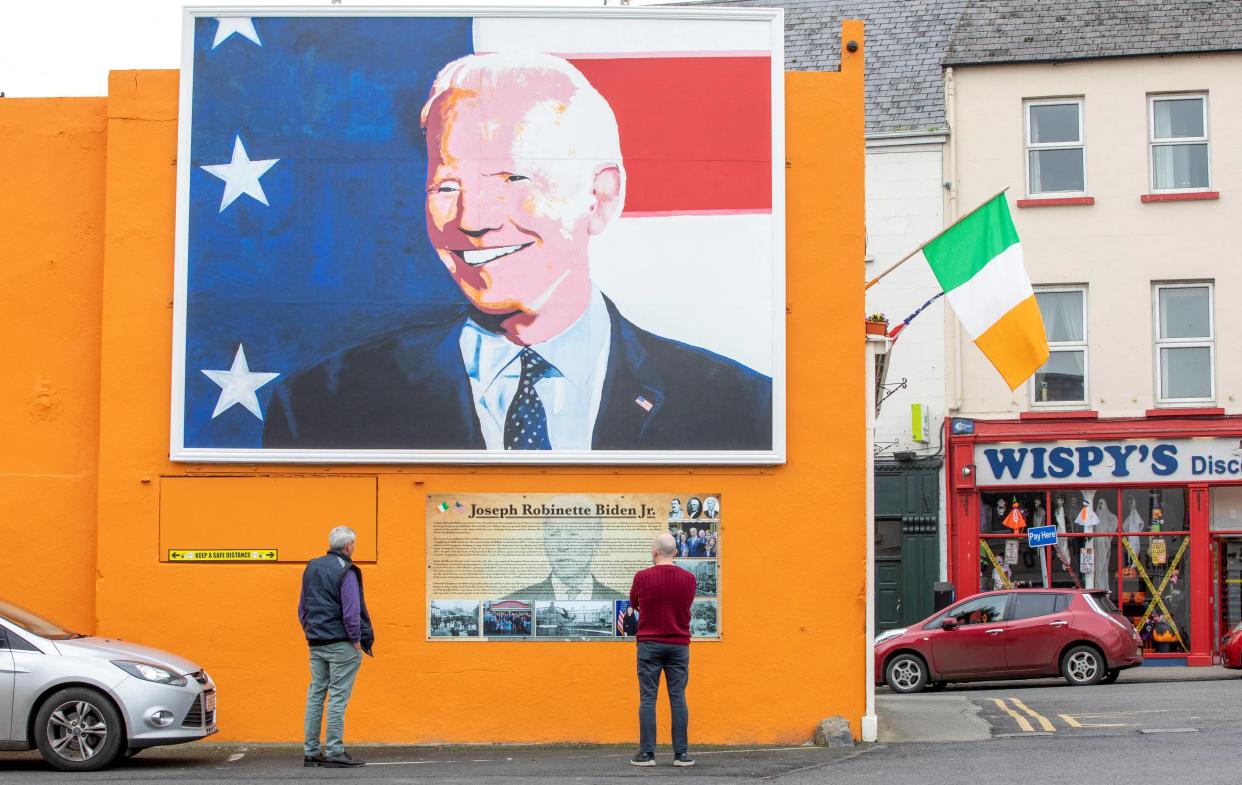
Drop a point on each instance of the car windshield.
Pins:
(35, 625)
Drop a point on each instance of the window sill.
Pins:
(1189, 196)
(1197, 411)
(1064, 414)
(1057, 201)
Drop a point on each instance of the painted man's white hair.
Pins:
(576, 121)
(340, 537)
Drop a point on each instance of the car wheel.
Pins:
(1110, 677)
(906, 673)
(79, 729)
(1083, 666)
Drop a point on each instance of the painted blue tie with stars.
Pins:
(526, 424)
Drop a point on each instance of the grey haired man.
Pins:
(333, 612)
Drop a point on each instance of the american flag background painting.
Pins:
(499, 237)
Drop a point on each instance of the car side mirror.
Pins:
(949, 623)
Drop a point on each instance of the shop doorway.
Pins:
(1227, 563)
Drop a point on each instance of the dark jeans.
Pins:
(674, 661)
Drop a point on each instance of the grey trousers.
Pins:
(333, 669)
(674, 662)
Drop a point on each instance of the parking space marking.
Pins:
(1023, 723)
(1072, 721)
(1043, 721)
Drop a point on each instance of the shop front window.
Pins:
(1072, 561)
(1155, 591)
(1227, 508)
(1009, 563)
(1091, 558)
(1011, 513)
(1133, 543)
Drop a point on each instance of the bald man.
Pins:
(524, 170)
(662, 595)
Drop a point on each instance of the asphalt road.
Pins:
(1184, 732)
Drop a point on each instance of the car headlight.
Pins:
(148, 672)
(888, 635)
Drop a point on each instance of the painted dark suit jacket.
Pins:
(408, 390)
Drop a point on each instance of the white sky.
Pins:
(67, 47)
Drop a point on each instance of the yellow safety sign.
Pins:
(259, 554)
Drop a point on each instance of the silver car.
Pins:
(84, 701)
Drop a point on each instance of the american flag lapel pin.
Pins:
(644, 403)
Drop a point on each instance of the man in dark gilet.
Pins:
(333, 611)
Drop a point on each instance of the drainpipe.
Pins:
(954, 329)
(876, 345)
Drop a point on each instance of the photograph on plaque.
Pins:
(507, 619)
(480, 236)
(547, 565)
(454, 619)
(574, 619)
(626, 621)
(704, 619)
(704, 573)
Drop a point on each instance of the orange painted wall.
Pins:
(51, 247)
(793, 601)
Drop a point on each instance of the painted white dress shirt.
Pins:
(563, 591)
(570, 392)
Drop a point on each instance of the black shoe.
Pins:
(342, 761)
(683, 760)
(313, 760)
(643, 759)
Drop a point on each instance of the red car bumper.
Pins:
(1231, 652)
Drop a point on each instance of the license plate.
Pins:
(209, 701)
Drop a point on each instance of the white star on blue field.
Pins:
(305, 227)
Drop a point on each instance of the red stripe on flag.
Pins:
(695, 131)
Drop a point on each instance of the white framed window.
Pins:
(1185, 343)
(1055, 150)
(1178, 135)
(1062, 381)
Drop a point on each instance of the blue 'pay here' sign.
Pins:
(1041, 536)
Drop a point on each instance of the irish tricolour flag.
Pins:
(978, 262)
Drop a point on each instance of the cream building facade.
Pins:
(1142, 230)
(1112, 127)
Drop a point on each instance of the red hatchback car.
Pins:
(1231, 649)
(1016, 634)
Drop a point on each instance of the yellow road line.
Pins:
(1018, 718)
(1043, 721)
(1073, 723)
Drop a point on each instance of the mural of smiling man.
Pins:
(524, 169)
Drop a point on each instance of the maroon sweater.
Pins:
(661, 595)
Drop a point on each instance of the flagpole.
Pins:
(907, 257)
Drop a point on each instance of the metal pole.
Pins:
(907, 257)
